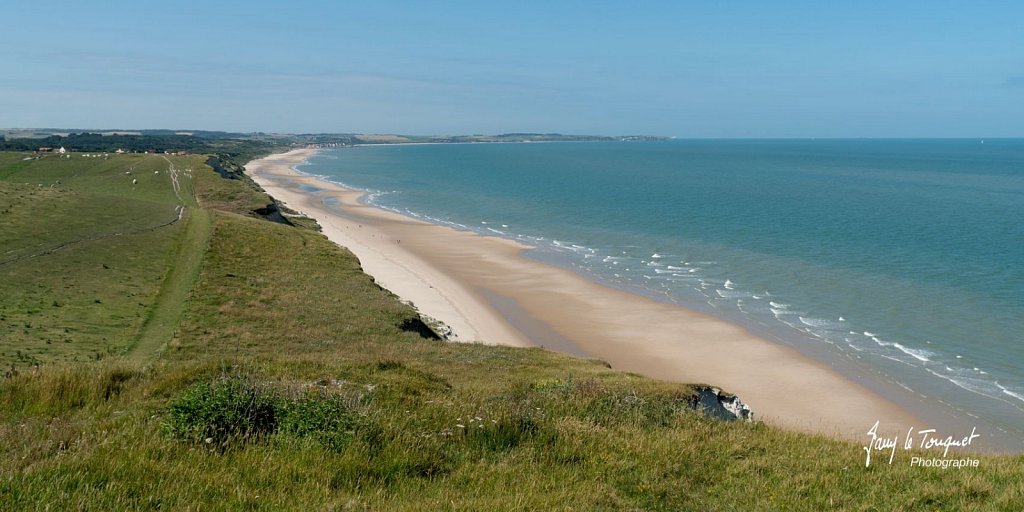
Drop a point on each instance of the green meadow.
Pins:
(171, 350)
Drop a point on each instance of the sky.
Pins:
(711, 68)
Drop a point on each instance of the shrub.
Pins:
(219, 412)
(236, 409)
(324, 417)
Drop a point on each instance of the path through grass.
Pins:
(163, 318)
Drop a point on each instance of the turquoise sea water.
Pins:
(903, 256)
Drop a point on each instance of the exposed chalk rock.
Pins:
(712, 402)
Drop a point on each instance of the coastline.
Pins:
(486, 290)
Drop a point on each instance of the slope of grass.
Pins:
(83, 253)
(162, 319)
(291, 385)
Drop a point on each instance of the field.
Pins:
(221, 361)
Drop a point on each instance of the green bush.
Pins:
(227, 410)
(324, 417)
(236, 409)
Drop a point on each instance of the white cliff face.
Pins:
(740, 410)
(712, 402)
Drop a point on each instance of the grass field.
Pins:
(257, 368)
(86, 245)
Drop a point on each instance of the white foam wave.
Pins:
(819, 323)
(967, 384)
(1006, 391)
(778, 305)
(921, 355)
(730, 294)
(896, 360)
(729, 285)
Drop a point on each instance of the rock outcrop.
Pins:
(716, 404)
(272, 213)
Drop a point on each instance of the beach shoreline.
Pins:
(487, 290)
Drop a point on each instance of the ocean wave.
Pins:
(373, 198)
(920, 354)
(778, 305)
(896, 359)
(731, 294)
(676, 278)
(820, 323)
(729, 285)
(968, 384)
(1006, 391)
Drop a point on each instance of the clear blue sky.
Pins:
(706, 68)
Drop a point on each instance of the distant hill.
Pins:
(30, 139)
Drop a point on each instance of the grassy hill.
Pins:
(192, 355)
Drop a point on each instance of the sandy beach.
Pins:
(487, 291)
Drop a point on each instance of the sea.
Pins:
(904, 259)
